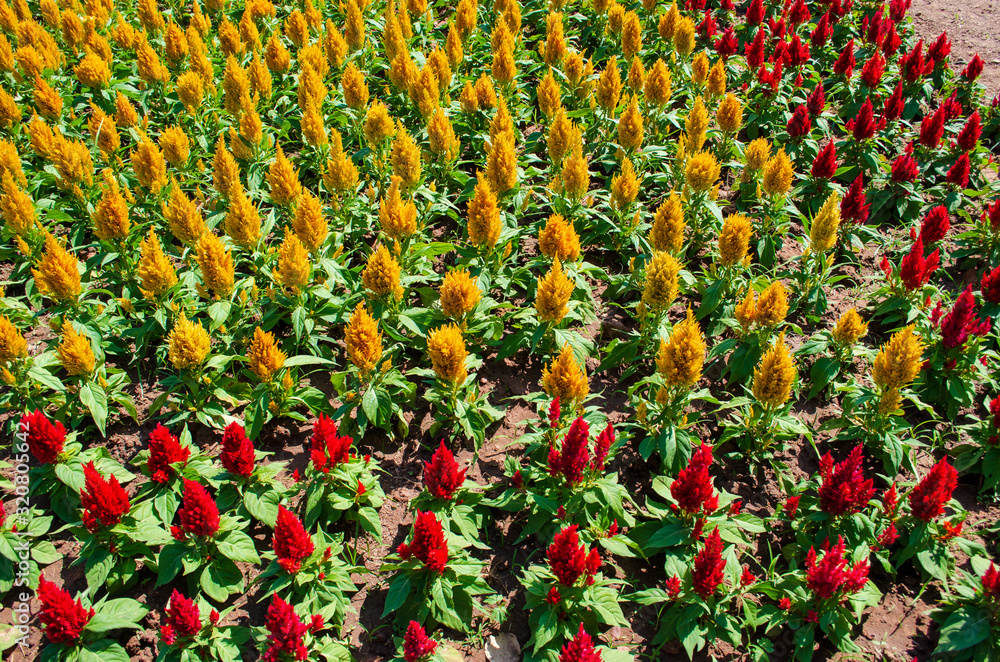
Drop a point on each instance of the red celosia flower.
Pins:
(777, 28)
(822, 32)
(893, 107)
(832, 577)
(735, 507)
(361, 489)
(824, 166)
(940, 49)
(784, 604)
(428, 545)
(165, 450)
(991, 285)
(844, 66)
(45, 439)
(798, 54)
(693, 486)
(571, 460)
(198, 514)
(935, 225)
(747, 577)
(755, 12)
(553, 597)
(969, 136)
(952, 107)
(601, 447)
(915, 270)
(928, 498)
(673, 587)
(213, 618)
(816, 101)
(568, 558)
(183, 617)
(992, 214)
(291, 542)
(799, 123)
(442, 475)
(317, 622)
(791, 506)
(613, 529)
(416, 644)
(555, 413)
(328, 449)
(958, 173)
(912, 64)
(854, 207)
(707, 573)
(905, 168)
(580, 649)
(961, 322)
(799, 14)
(951, 530)
(237, 451)
(708, 27)
(844, 490)
(888, 536)
(104, 501)
(63, 618)
(864, 124)
(286, 632)
(890, 501)
(973, 68)
(871, 72)
(898, 9)
(932, 128)
(754, 50)
(991, 583)
(727, 45)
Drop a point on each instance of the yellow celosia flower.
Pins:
(630, 126)
(717, 79)
(92, 71)
(352, 82)
(636, 79)
(57, 275)
(41, 135)
(899, 361)
(777, 174)
(363, 340)
(47, 101)
(746, 310)
(12, 343)
(311, 90)
(72, 161)
(446, 347)
(486, 95)
(156, 272)
(216, 264)
(424, 91)
(553, 294)
(609, 86)
(75, 353)
(354, 27)
(575, 175)
(405, 159)
(276, 56)
(293, 264)
(772, 306)
(187, 344)
(264, 356)
(334, 44)
(10, 161)
(379, 126)
(555, 39)
(823, 232)
(309, 223)
(734, 240)
(381, 274)
(242, 221)
(175, 145)
(773, 378)
(190, 90)
(283, 180)
(235, 85)
(681, 358)
(483, 214)
(296, 28)
(313, 129)
(696, 126)
(111, 214)
(624, 186)
(849, 328)
(459, 294)
(702, 171)
(465, 16)
(667, 232)
(441, 136)
(730, 116)
(175, 44)
(660, 288)
(17, 206)
(565, 379)
(684, 36)
(397, 219)
(151, 70)
(183, 216)
(341, 173)
(631, 35)
(562, 136)
(504, 68)
(125, 113)
(149, 165)
(559, 240)
(501, 163)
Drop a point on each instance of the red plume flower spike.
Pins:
(291, 542)
(63, 618)
(104, 501)
(864, 123)
(416, 644)
(428, 545)
(198, 514)
(961, 321)
(799, 123)
(915, 270)
(286, 632)
(165, 450)
(969, 136)
(693, 487)
(824, 166)
(238, 455)
(844, 490)
(601, 448)
(183, 617)
(991, 285)
(928, 498)
(991, 583)
(328, 449)
(442, 475)
(707, 573)
(844, 66)
(45, 439)
(580, 649)
(958, 173)
(832, 576)
(854, 207)
(569, 560)
(574, 455)
(872, 71)
(974, 68)
(932, 128)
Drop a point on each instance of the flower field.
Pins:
(378, 329)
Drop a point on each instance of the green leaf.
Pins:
(104, 650)
(398, 590)
(220, 579)
(99, 565)
(965, 627)
(95, 399)
(238, 546)
(122, 613)
(369, 403)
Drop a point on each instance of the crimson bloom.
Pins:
(707, 573)
(601, 447)
(104, 501)
(961, 321)
(571, 460)
(822, 32)
(442, 475)
(991, 583)
(286, 631)
(569, 559)
(991, 285)
(165, 450)
(992, 214)
(905, 168)
(932, 128)
(928, 498)
(935, 225)
(915, 270)
(832, 576)
(755, 12)
(798, 54)
(824, 166)
(428, 544)
(854, 207)
(893, 107)
(844, 66)
(693, 487)
(974, 68)
(958, 173)
(799, 123)
(864, 124)
(328, 449)
(183, 619)
(913, 63)
(555, 413)
(754, 50)
(237, 451)
(45, 439)
(580, 649)
(63, 618)
(416, 644)
(969, 136)
(871, 72)
(940, 49)
(727, 45)
(198, 514)
(844, 489)
(291, 542)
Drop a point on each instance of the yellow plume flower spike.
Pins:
(441, 134)
(772, 306)
(156, 272)
(849, 328)
(175, 145)
(459, 294)
(264, 356)
(778, 174)
(12, 343)
(149, 165)
(17, 206)
(446, 348)
(899, 360)
(559, 240)
(746, 311)
(823, 232)
(363, 340)
(379, 126)
(684, 36)
(549, 95)
(700, 68)
(125, 113)
(334, 44)
(562, 137)
(190, 90)
(565, 379)
(501, 163)
(242, 221)
(667, 232)
(354, 28)
(216, 264)
(609, 86)
(453, 46)
(57, 275)
(757, 153)
(702, 171)
(734, 240)
(696, 126)
(397, 219)
(717, 79)
(774, 376)
(352, 82)
(187, 344)
(483, 215)
(636, 79)
(630, 126)
(293, 264)
(555, 39)
(381, 273)
(283, 180)
(625, 186)
(276, 56)
(183, 216)
(660, 288)
(309, 223)
(631, 35)
(681, 358)
(111, 214)
(553, 294)
(405, 158)
(575, 174)
(92, 71)
(730, 114)
(75, 352)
